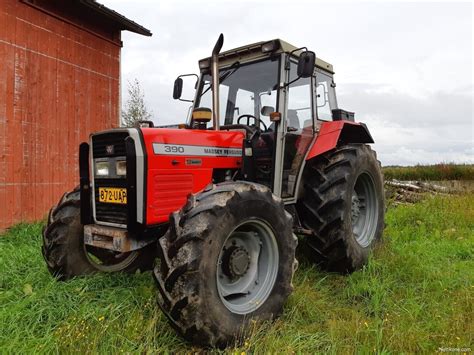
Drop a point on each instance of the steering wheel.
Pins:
(248, 117)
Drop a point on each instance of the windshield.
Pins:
(244, 90)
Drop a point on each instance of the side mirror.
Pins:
(267, 110)
(177, 88)
(306, 64)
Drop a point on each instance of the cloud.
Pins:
(411, 130)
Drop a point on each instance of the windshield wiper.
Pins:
(231, 70)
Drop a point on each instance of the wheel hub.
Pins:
(236, 262)
(364, 210)
(247, 266)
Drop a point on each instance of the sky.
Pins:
(404, 68)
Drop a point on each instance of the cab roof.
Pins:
(254, 51)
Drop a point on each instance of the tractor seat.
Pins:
(293, 119)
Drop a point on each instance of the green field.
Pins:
(416, 295)
(435, 172)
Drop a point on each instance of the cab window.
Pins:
(325, 96)
(299, 113)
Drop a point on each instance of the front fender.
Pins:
(336, 133)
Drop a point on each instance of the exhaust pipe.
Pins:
(215, 81)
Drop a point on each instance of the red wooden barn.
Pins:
(59, 81)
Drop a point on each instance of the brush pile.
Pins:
(401, 192)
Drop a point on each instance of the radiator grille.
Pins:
(109, 212)
(116, 140)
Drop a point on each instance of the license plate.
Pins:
(113, 195)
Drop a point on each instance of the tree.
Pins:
(135, 109)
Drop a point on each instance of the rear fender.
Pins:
(336, 133)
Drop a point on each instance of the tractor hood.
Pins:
(182, 161)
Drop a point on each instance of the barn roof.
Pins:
(123, 22)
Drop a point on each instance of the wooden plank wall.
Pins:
(58, 83)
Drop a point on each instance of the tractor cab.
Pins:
(278, 95)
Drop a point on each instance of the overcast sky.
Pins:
(405, 68)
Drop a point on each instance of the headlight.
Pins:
(102, 168)
(270, 46)
(121, 168)
(205, 63)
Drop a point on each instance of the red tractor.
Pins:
(216, 207)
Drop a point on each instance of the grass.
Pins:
(435, 172)
(415, 295)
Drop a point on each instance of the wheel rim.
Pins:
(109, 260)
(247, 266)
(364, 210)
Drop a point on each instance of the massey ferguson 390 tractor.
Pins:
(215, 204)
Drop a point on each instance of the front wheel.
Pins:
(343, 205)
(227, 259)
(67, 256)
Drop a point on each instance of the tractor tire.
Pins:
(343, 205)
(67, 256)
(226, 262)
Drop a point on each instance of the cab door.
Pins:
(298, 129)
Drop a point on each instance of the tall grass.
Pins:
(415, 295)
(430, 172)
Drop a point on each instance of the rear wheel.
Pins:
(227, 259)
(343, 204)
(67, 256)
